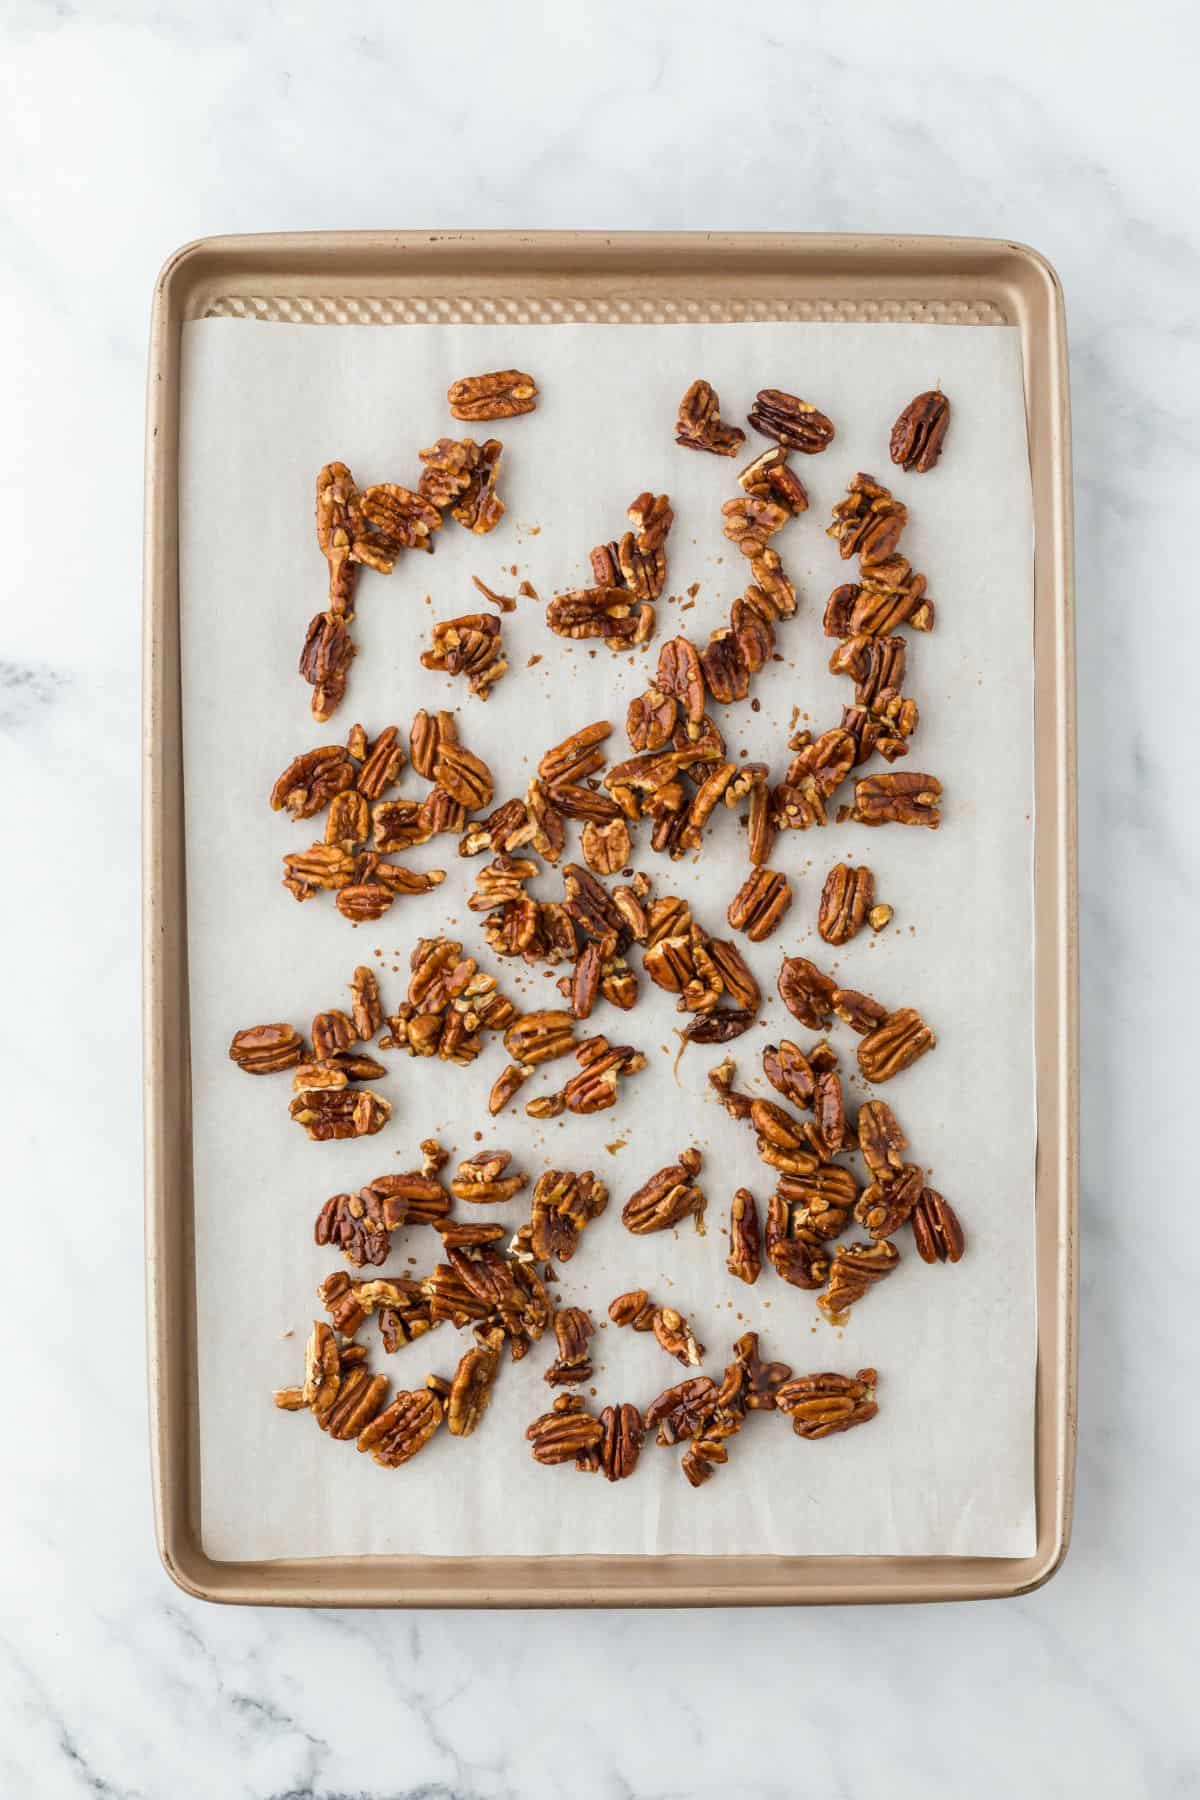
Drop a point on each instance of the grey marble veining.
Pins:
(128, 128)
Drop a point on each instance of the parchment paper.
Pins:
(948, 1465)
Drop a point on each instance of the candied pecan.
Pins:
(776, 1125)
(583, 986)
(593, 910)
(839, 611)
(760, 825)
(397, 825)
(856, 1267)
(894, 1044)
(760, 1381)
(846, 899)
(572, 1329)
(594, 1088)
(398, 880)
(360, 1399)
(468, 1234)
(876, 665)
(883, 1208)
(505, 830)
(471, 1390)
(634, 1309)
(681, 1412)
(726, 670)
(539, 1037)
(901, 798)
(679, 676)
(469, 646)
(507, 1085)
(500, 394)
(429, 734)
(674, 1334)
(618, 983)
(806, 992)
(564, 1204)
(480, 509)
(768, 477)
(916, 441)
(721, 1080)
(868, 522)
(312, 780)
(892, 594)
(720, 1026)
(337, 522)
(798, 1257)
(606, 847)
(328, 1113)
(364, 900)
(513, 929)
(822, 1201)
(880, 1139)
(325, 660)
(650, 720)
(447, 470)
(750, 521)
(626, 564)
(382, 763)
(322, 1369)
(348, 821)
(577, 757)
(564, 1433)
(760, 904)
(936, 1230)
(601, 612)
(745, 1242)
(736, 979)
(392, 519)
(266, 1049)
(481, 1178)
(452, 1300)
(464, 776)
(290, 1399)
(412, 1197)
(404, 1428)
(819, 1405)
(789, 1072)
(858, 1011)
(441, 813)
(500, 881)
(668, 1197)
(621, 1444)
(791, 422)
(331, 1031)
(830, 1110)
(666, 917)
(699, 427)
(487, 1273)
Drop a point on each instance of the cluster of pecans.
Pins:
(328, 1099)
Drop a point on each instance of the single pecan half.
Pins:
(858, 1011)
(768, 477)
(404, 1428)
(392, 519)
(916, 441)
(594, 1088)
(312, 779)
(479, 508)
(447, 470)
(564, 1433)
(610, 613)
(791, 422)
(760, 904)
(471, 646)
(883, 1208)
(325, 660)
(396, 825)
(564, 1204)
(464, 776)
(348, 822)
(798, 1256)
(856, 1267)
(681, 1412)
(337, 524)
(806, 992)
(573, 1364)
(670, 1195)
(750, 522)
(355, 1227)
(744, 1261)
(578, 755)
(895, 1044)
(441, 813)
(699, 427)
(936, 1230)
(429, 735)
(881, 1139)
(330, 1113)
(481, 1179)
(846, 898)
(737, 981)
(675, 1335)
(500, 394)
(821, 1201)
(621, 1443)
(721, 1025)
(506, 829)
(471, 1389)
(539, 1037)
(898, 798)
(868, 522)
(410, 1197)
(267, 1049)
(820, 1405)
(606, 847)
(789, 1072)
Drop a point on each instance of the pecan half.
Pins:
(464, 776)
(744, 1261)
(411, 1197)
(429, 735)
(820, 1405)
(936, 1230)
(481, 1178)
(806, 992)
(738, 982)
(760, 823)
(720, 1026)
(505, 830)
(594, 1088)
(539, 1037)
(791, 421)
(441, 813)
(601, 612)
(650, 720)
(507, 1085)
(880, 1139)
(868, 522)
(621, 1443)
(337, 523)
(750, 522)
(669, 1196)
(768, 477)
(348, 821)
(699, 427)
(760, 904)
(577, 757)
(392, 519)
(325, 660)
(894, 1045)
(312, 780)
(470, 646)
(500, 394)
(404, 1428)
(329, 1113)
(606, 847)
(858, 1011)
(573, 1364)
(480, 509)
(564, 1204)
(471, 1390)
(856, 1267)
(675, 1335)
(447, 470)
(397, 825)
(883, 1208)
(798, 1256)
(564, 1433)
(916, 441)
(822, 1201)
(679, 675)
(899, 798)
(846, 898)
(790, 1072)
(267, 1049)
(681, 1412)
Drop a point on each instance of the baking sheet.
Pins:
(948, 1466)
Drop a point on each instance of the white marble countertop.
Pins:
(130, 127)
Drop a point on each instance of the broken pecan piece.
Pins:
(500, 394)
(820, 1405)
(936, 1230)
(899, 798)
(916, 441)
(470, 646)
(894, 1045)
(806, 992)
(846, 898)
(564, 1204)
(858, 1011)
(699, 427)
(267, 1049)
(883, 1208)
(681, 1412)
(720, 1026)
(481, 1178)
(856, 1267)
(745, 1243)
(573, 1364)
(760, 904)
(768, 477)
(337, 523)
(480, 509)
(791, 421)
(668, 1197)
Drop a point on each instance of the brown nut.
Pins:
(791, 421)
(868, 522)
(820, 1405)
(846, 899)
(916, 440)
(744, 1261)
(806, 992)
(267, 1049)
(936, 1230)
(312, 780)
(699, 427)
(429, 734)
(894, 1045)
(899, 798)
(501, 394)
(760, 904)
(404, 1428)
(669, 1196)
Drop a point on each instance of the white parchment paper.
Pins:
(948, 1466)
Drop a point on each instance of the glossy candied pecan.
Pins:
(744, 1261)
(361, 1397)
(447, 470)
(770, 594)
(331, 1113)
(884, 1207)
(629, 564)
(441, 814)
(593, 909)
(726, 669)
(790, 1072)
(650, 720)
(855, 1269)
(479, 508)
(674, 1334)
(267, 1049)
(501, 880)
(392, 519)
(670, 1195)
(916, 440)
(820, 1405)
(936, 1230)
(699, 427)
(500, 394)
(332, 1031)
(322, 1369)
(507, 1085)
(540, 1036)
(610, 613)
(621, 1444)
(682, 1411)
(463, 775)
(881, 1139)
(573, 1364)
(577, 756)
(409, 1196)
(575, 800)
(312, 779)
(381, 764)
(895, 1044)
(769, 477)
(720, 1026)
(594, 1088)
(607, 847)
(564, 1205)
(826, 760)
(398, 825)
(791, 421)
(750, 522)
(830, 1110)
(859, 1011)
(760, 904)
(679, 675)
(870, 734)
(821, 1201)
(839, 610)
(868, 522)
(325, 659)
(760, 824)
(806, 992)
(618, 983)
(901, 797)
(846, 899)
(429, 734)
(876, 665)
(759, 1382)
(404, 1428)
(506, 829)
(799, 1259)
(737, 981)
(471, 646)
(775, 1125)
(471, 1389)
(582, 986)
(348, 821)
(564, 1433)
(352, 1225)
(337, 523)
(482, 1180)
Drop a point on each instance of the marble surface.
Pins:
(127, 128)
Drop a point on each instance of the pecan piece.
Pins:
(750, 522)
(594, 1088)
(760, 904)
(830, 1109)
(577, 757)
(610, 613)
(392, 519)
(791, 422)
(481, 1178)
(564, 1433)
(884, 1207)
(448, 468)
(721, 1080)
(331, 1032)
(578, 801)
(650, 720)
(353, 1226)
(464, 776)
(507, 1085)
(675, 1335)
(471, 646)
(564, 1204)
(404, 1428)
(768, 477)
(900, 798)
(806, 992)
(606, 847)
(736, 978)
(760, 824)
(349, 820)
(699, 427)
(573, 1364)
(856, 1267)
(846, 899)
(430, 733)
(681, 1412)
(593, 909)
(503, 831)
(916, 440)
(412, 1197)
(479, 508)
(858, 1011)
(669, 1196)
(397, 825)
(936, 1230)
(441, 813)
(868, 522)
(266, 1049)
(337, 522)
(894, 1045)
(325, 660)
(720, 1026)
(820, 1405)
(621, 1443)
(360, 1399)
(471, 1390)
(726, 670)
(312, 780)
(539, 1037)
(789, 1072)
(880, 1139)
(876, 665)
(322, 1370)
(330, 1113)
(500, 394)
(634, 1309)
(797, 1256)
(679, 676)
(744, 1261)
(822, 1201)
